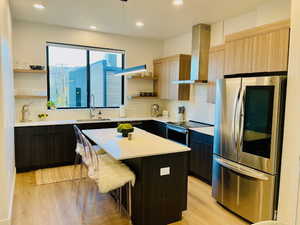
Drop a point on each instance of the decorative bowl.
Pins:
(36, 67)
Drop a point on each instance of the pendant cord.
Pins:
(123, 22)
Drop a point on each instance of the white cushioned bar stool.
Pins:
(108, 173)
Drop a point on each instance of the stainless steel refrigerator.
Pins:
(247, 144)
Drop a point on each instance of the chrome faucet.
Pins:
(92, 107)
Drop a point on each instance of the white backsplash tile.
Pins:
(197, 108)
(134, 108)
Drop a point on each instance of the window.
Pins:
(83, 77)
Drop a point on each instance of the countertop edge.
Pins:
(70, 122)
(167, 153)
(91, 135)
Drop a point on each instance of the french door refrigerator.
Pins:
(247, 144)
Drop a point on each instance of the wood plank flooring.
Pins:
(57, 204)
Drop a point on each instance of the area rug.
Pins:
(58, 174)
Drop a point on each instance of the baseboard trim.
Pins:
(9, 219)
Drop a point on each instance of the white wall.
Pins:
(29, 42)
(178, 45)
(7, 167)
(291, 149)
(197, 108)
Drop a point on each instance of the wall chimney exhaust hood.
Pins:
(200, 55)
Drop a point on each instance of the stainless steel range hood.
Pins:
(200, 52)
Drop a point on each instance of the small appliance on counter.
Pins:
(25, 113)
(122, 111)
(181, 114)
(155, 110)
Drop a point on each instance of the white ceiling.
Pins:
(162, 19)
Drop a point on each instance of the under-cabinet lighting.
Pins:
(38, 6)
(139, 24)
(177, 2)
(132, 70)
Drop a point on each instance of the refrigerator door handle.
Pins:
(240, 169)
(234, 135)
(241, 121)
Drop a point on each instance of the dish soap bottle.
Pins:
(122, 111)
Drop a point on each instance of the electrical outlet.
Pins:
(165, 171)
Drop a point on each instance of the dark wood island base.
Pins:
(159, 199)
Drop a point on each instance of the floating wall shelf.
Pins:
(142, 97)
(143, 78)
(30, 96)
(29, 71)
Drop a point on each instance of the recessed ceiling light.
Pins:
(38, 6)
(139, 24)
(177, 2)
(93, 27)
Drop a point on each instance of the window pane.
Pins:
(105, 87)
(68, 77)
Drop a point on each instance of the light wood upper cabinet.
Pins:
(172, 69)
(215, 70)
(173, 66)
(158, 71)
(239, 54)
(279, 50)
(261, 49)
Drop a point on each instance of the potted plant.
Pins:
(51, 105)
(125, 129)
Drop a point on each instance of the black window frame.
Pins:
(87, 48)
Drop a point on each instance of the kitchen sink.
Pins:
(93, 120)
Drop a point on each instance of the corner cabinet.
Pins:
(215, 70)
(261, 49)
(171, 69)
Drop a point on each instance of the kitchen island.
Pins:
(160, 165)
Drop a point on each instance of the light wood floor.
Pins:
(55, 204)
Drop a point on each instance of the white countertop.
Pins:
(142, 144)
(205, 130)
(62, 122)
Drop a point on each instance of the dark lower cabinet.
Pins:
(49, 146)
(87, 126)
(154, 127)
(44, 146)
(201, 155)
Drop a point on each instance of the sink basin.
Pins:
(93, 120)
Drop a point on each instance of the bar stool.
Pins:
(80, 153)
(108, 173)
